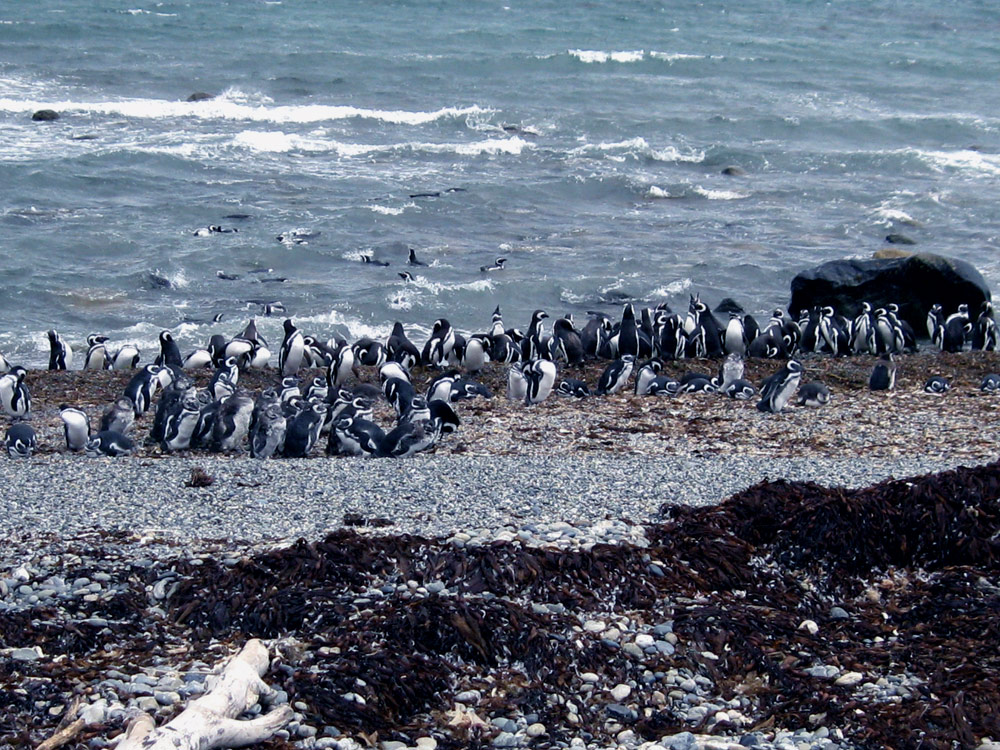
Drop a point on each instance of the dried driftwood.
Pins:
(210, 721)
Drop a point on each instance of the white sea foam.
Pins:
(281, 142)
(672, 289)
(965, 160)
(674, 56)
(389, 210)
(599, 56)
(657, 192)
(638, 146)
(720, 195)
(355, 326)
(889, 215)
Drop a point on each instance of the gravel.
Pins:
(428, 495)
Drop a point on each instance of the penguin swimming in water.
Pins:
(883, 377)
(372, 261)
(110, 444)
(412, 258)
(937, 384)
(76, 428)
(813, 394)
(497, 266)
(779, 388)
(20, 441)
(14, 395)
(615, 375)
(60, 353)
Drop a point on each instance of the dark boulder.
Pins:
(200, 96)
(729, 305)
(914, 282)
(45, 115)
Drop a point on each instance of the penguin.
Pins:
(20, 441)
(14, 395)
(694, 382)
(541, 377)
(984, 335)
(439, 345)
(740, 390)
(208, 412)
(777, 389)
(292, 350)
(232, 423)
(707, 328)
(813, 394)
(937, 384)
(372, 261)
(400, 348)
(833, 332)
(861, 328)
(732, 370)
(441, 387)
(224, 380)
(767, 345)
(126, 358)
(267, 435)
(76, 428)
(317, 390)
(572, 387)
(355, 436)
(342, 367)
(669, 336)
(935, 325)
(410, 438)
(412, 258)
(197, 359)
(498, 265)
(118, 417)
(97, 353)
(532, 345)
(110, 444)
(465, 389)
(237, 348)
(289, 389)
(663, 385)
(181, 423)
(956, 328)
(4, 364)
(167, 407)
(990, 383)
(393, 369)
(445, 419)
(406, 276)
(568, 342)
(615, 375)
(734, 340)
(906, 337)
(303, 431)
(60, 353)
(369, 352)
(209, 231)
(883, 377)
(399, 393)
(517, 382)
(645, 375)
(170, 354)
(417, 410)
(142, 387)
(627, 340)
(476, 353)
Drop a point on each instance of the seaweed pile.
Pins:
(869, 617)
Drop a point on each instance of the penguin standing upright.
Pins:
(956, 328)
(342, 367)
(400, 348)
(303, 431)
(14, 396)
(142, 387)
(181, 423)
(76, 428)
(861, 328)
(935, 325)
(568, 343)
(126, 358)
(170, 353)
(97, 353)
(533, 346)
(777, 389)
(119, 417)
(439, 345)
(541, 377)
(628, 334)
(734, 340)
(984, 335)
(292, 351)
(232, 423)
(60, 353)
(517, 382)
(883, 377)
(267, 435)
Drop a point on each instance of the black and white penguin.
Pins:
(937, 384)
(990, 383)
(444, 417)
(60, 353)
(778, 389)
(935, 325)
(498, 265)
(861, 330)
(355, 436)
(232, 423)
(707, 331)
(768, 345)
(956, 328)
(533, 346)
(119, 417)
(476, 353)
(412, 258)
(418, 409)
(170, 353)
(20, 440)
(734, 339)
(372, 261)
(440, 388)
(615, 375)
(627, 340)
(410, 438)
(393, 369)
(984, 335)
(517, 383)
(197, 359)
(4, 364)
(645, 375)
(406, 276)
(142, 387)
(76, 428)
(906, 337)
(883, 377)
(731, 370)
(303, 431)
(369, 352)
(568, 342)
(97, 353)
(267, 435)
(438, 347)
(208, 412)
(663, 385)
(541, 377)
(126, 358)
(834, 332)
(342, 368)
(292, 351)
(14, 395)
(180, 424)
(399, 393)
(110, 444)
(572, 387)
(813, 394)
(289, 389)
(465, 389)
(317, 390)
(225, 379)
(695, 382)
(668, 335)
(740, 390)
(400, 348)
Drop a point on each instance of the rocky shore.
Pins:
(554, 577)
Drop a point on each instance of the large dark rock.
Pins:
(45, 115)
(200, 96)
(914, 282)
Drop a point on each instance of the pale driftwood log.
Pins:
(209, 721)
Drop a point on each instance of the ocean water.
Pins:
(584, 142)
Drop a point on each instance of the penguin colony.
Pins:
(291, 418)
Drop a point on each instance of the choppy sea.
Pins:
(584, 142)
